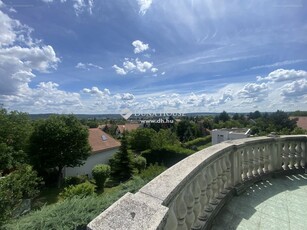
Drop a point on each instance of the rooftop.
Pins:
(128, 127)
(301, 122)
(100, 141)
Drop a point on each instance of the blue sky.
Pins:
(90, 56)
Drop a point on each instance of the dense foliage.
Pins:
(122, 163)
(139, 163)
(57, 142)
(21, 184)
(100, 173)
(81, 190)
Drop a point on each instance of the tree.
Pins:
(57, 142)
(224, 116)
(15, 130)
(162, 138)
(18, 185)
(101, 172)
(140, 139)
(122, 163)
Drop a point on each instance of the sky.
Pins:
(106, 56)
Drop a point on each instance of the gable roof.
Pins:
(97, 143)
(301, 122)
(127, 127)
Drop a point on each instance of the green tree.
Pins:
(18, 185)
(140, 139)
(122, 163)
(186, 130)
(162, 138)
(57, 142)
(224, 116)
(15, 130)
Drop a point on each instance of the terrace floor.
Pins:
(278, 203)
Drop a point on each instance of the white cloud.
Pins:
(254, 92)
(295, 90)
(144, 6)
(143, 66)
(87, 66)
(139, 46)
(127, 96)
(119, 70)
(129, 66)
(96, 91)
(280, 75)
(154, 70)
(79, 5)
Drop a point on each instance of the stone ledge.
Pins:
(131, 212)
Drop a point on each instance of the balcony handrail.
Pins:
(189, 194)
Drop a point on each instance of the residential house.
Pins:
(103, 148)
(220, 135)
(126, 128)
(301, 122)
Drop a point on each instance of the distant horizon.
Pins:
(93, 56)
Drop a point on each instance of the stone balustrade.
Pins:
(191, 193)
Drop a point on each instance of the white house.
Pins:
(103, 148)
(220, 135)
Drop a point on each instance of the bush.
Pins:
(197, 142)
(168, 155)
(74, 213)
(139, 163)
(152, 171)
(75, 180)
(81, 190)
(100, 173)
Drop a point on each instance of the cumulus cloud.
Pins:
(144, 6)
(254, 92)
(143, 66)
(127, 96)
(96, 91)
(295, 90)
(139, 46)
(46, 97)
(280, 75)
(224, 98)
(20, 55)
(131, 65)
(88, 66)
(119, 70)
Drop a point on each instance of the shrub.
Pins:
(81, 190)
(100, 173)
(139, 163)
(168, 155)
(74, 213)
(74, 180)
(197, 142)
(152, 171)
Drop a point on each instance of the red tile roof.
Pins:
(301, 122)
(98, 144)
(127, 127)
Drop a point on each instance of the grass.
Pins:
(47, 196)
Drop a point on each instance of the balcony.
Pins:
(205, 189)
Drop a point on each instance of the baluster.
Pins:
(244, 164)
(196, 192)
(297, 156)
(285, 156)
(214, 185)
(220, 182)
(202, 216)
(303, 155)
(255, 161)
(224, 175)
(189, 201)
(291, 155)
(261, 159)
(228, 172)
(171, 222)
(266, 153)
(250, 155)
(181, 212)
(210, 194)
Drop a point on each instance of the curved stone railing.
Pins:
(190, 194)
